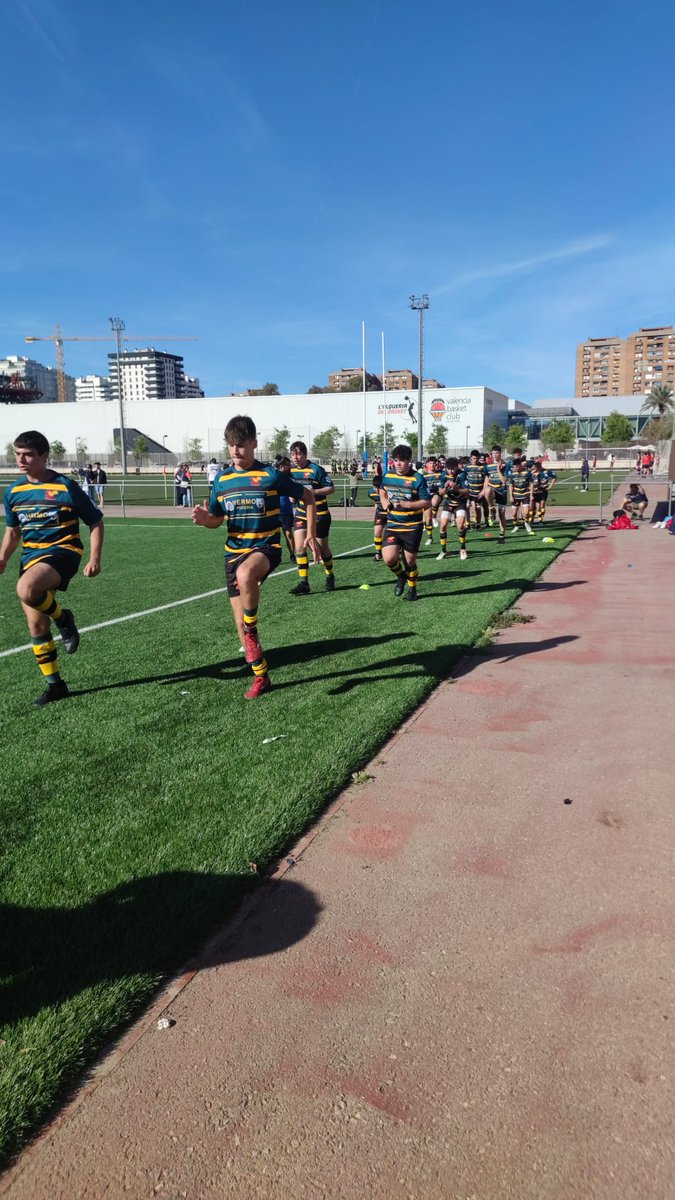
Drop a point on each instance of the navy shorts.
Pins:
(286, 520)
(67, 566)
(323, 525)
(233, 562)
(407, 539)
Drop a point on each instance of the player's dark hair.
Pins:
(476, 452)
(452, 463)
(402, 451)
(299, 446)
(238, 430)
(282, 461)
(496, 448)
(32, 440)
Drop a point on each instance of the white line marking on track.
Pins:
(147, 612)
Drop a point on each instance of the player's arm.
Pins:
(10, 541)
(93, 567)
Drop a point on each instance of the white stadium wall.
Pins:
(464, 411)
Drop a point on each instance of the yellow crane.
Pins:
(58, 338)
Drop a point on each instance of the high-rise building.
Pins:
(37, 376)
(147, 374)
(614, 367)
(649, 360)
(92, 387)
(599, 365)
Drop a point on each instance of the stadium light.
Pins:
(419, 304)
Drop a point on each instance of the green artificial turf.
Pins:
(133, 810)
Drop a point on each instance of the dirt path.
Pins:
(484, 1008)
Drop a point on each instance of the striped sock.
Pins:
(378, 543)
(45, 653)
(250, 619)
(444, 539)
(462, 539)
(303, 566)
(260, 668)
(412, 577)
(428, 529)
(396, 568)
(49, 605)
(328, 564)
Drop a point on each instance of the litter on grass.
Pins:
(277, 738)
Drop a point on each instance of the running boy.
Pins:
(403, 497)
(246, 496)
(379, 517)
(455, 503)
(44, 509)
(313, 476)
(496, 488)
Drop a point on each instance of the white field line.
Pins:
(147, 612)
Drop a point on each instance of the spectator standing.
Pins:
(100, 481)
(354, 480)
(585, 472)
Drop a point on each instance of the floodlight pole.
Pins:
(420, 303)
(117, 325)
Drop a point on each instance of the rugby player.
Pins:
(246, 496)
(403, 497)
(313, 476)
(432, 476)
(543, 480)
(496, 488)
(475, 476)
(44, 508)
(522, 492)
(454, 493)
(379, 518)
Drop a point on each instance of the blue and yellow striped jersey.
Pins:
(492, 470)
(433, 481)
(474, 476)
(404, 487)
(520, 479)
(312, 476)
(543, 479)
(48, 515)
(249, 502)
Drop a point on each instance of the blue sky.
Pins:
(265, 177)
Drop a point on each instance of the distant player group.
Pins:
(256, 501)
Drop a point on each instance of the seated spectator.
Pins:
(621, 520)
(635, 501)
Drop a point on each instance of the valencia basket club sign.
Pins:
(438, 409)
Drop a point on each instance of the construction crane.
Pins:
(58, 338)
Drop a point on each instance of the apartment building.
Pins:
(649, 360)
(617, 367)
(36, 375)
(89, 388)
(395, 381)
(148, 374)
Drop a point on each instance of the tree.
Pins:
(437, 442)
(57, 450)
(373, 384)
(9, 452)
(315, 390)
(195, 450)
(516, 438)
(494, 436)
(140, 448)
(267, 389)
(559, 435)
(660, 400)
(279, 442)
(325, 444)
(618, 430)
(387, 433)
(412, 440)
(659, 429)
(80, 449)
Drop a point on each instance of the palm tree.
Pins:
(660, 400)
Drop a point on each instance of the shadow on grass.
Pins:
(231, 668)
(146, 927)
